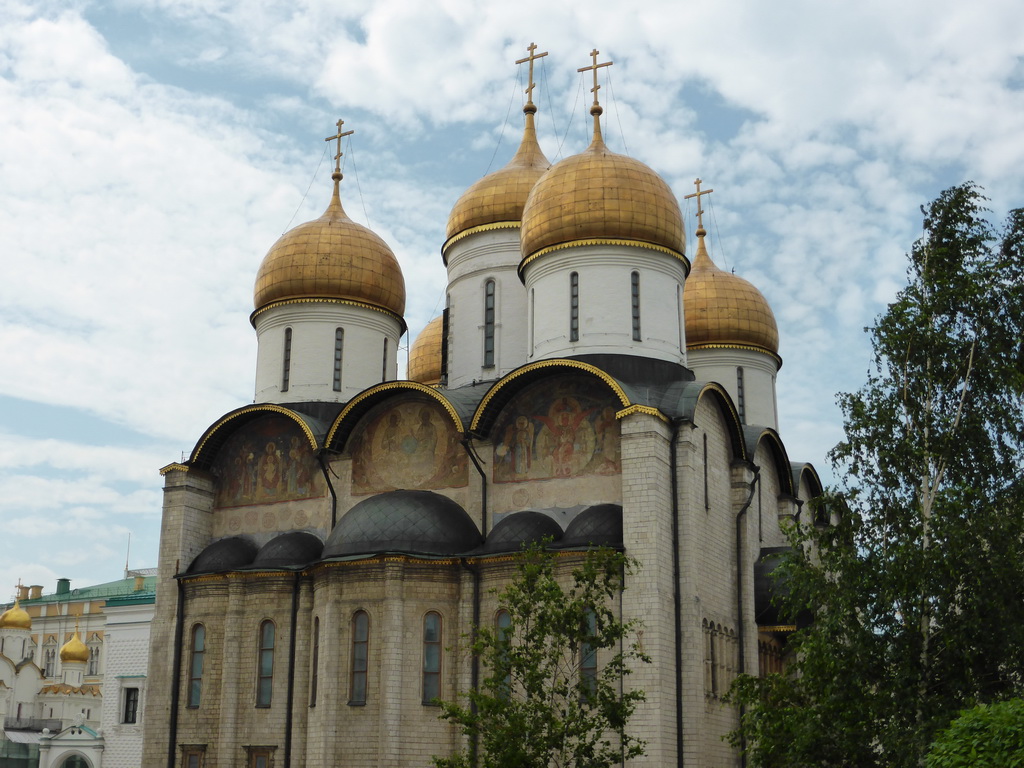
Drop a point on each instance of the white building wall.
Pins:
(472, 261)
(127, 654)
(311, 369)
(759, 371)
(605, 303)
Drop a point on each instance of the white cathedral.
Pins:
(325, 551)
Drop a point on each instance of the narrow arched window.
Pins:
(634, 280)
(588, 656)
(265, 673)
(339, 343)
(287, 368)
(503, 627)
(195, 666)
(679, 319)
(574, 306)
(315, 662)
(533, 301)
(431, 657)
(707, 500)
(384, 364)
(740, 397)
(445, 331)
(360, 657)
(489, 324)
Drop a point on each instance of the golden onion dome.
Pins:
(425, 354)
(499, 197)
(601, 195)
(723, 309)
(15, 617)
(332, 257)
(74, 649)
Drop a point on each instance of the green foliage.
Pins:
(533, 709)
(987, 736)
(918, 593)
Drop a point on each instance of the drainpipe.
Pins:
(677, 597)
(475, 570)
(291, 674)
(483, 482)
(330, 487)
(740, 634)
(179, 624)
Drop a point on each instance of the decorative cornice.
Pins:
(328, 300)
(605, 241)
(553, 363)
(473, 230)
(744, 347)
(645, 409)
(173, 467)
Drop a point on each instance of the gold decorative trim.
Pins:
(777, 628)
(327, 300)
(556, 362)
(746, 347)
(173, 467)
(473, 230)
(645, 409)
(267, 408)
(413, 386)
(605, 241)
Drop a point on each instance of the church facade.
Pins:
(325, 551)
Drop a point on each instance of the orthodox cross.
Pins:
(338, 136)
(595, 66)
(531, 58)
(697, 194)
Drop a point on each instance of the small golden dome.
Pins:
(74, 649)
(500, 196)
(15, 617)
(601, 194)
(724, 309)
(425, 355)
(332, 258)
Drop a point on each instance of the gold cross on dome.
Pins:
(531, 58)
(339, 136)
(697, 194)
(595, 66)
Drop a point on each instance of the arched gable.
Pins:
(755, 436)
(694, 392)
(806, 473)
(342, 427)
(207, 449)
(506, 388)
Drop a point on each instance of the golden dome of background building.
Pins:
(723, 309)
(499, 197)
(331, 257)
(425, 354)
(15, 617)
(599, 194)
(74, 649)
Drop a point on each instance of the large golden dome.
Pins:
(499, 197)
(724, 310)
(15, 617)
(425, 354)
(331, 258)
(74, 650)
(599, 194)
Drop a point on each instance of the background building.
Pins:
(73, 673)
(324, 550)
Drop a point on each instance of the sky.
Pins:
(151, 152)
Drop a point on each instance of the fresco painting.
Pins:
(411, 445)
(566, 431)
(267, 461)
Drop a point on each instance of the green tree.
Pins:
(987, 736)
(541, 703)
(918, 592)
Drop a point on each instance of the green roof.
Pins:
(122, 590)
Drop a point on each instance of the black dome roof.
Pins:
(291, 549)
(421, 522)
(225, 555)
(520, 528)
(600, 524)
